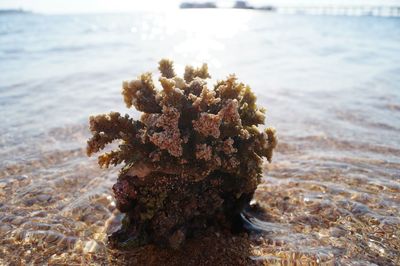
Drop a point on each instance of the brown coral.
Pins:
(194, 159)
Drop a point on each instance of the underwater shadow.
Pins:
(213, 246)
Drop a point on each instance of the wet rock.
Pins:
(5, 228)
(44, 198)
(91, 247)
(21, 177)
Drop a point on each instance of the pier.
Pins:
(341, 10)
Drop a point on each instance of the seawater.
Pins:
(330, 85)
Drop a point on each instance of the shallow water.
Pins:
(331, 87)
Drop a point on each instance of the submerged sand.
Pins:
(58, 208)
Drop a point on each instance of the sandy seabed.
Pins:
(58, 209)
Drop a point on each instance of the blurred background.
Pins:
(327, 70)
(61, 61)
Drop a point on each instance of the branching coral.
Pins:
(193, 160)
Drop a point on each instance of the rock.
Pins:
(44, 197)
(91, 247)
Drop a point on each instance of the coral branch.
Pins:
(166, 68)
(194, 158)
(141, 93)
(191, 73)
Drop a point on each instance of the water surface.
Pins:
(331, 87)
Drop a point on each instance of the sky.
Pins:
(93, 6)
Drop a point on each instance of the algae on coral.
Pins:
(193, 160)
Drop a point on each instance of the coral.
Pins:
(193, 160)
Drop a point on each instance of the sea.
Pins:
(331, 87)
